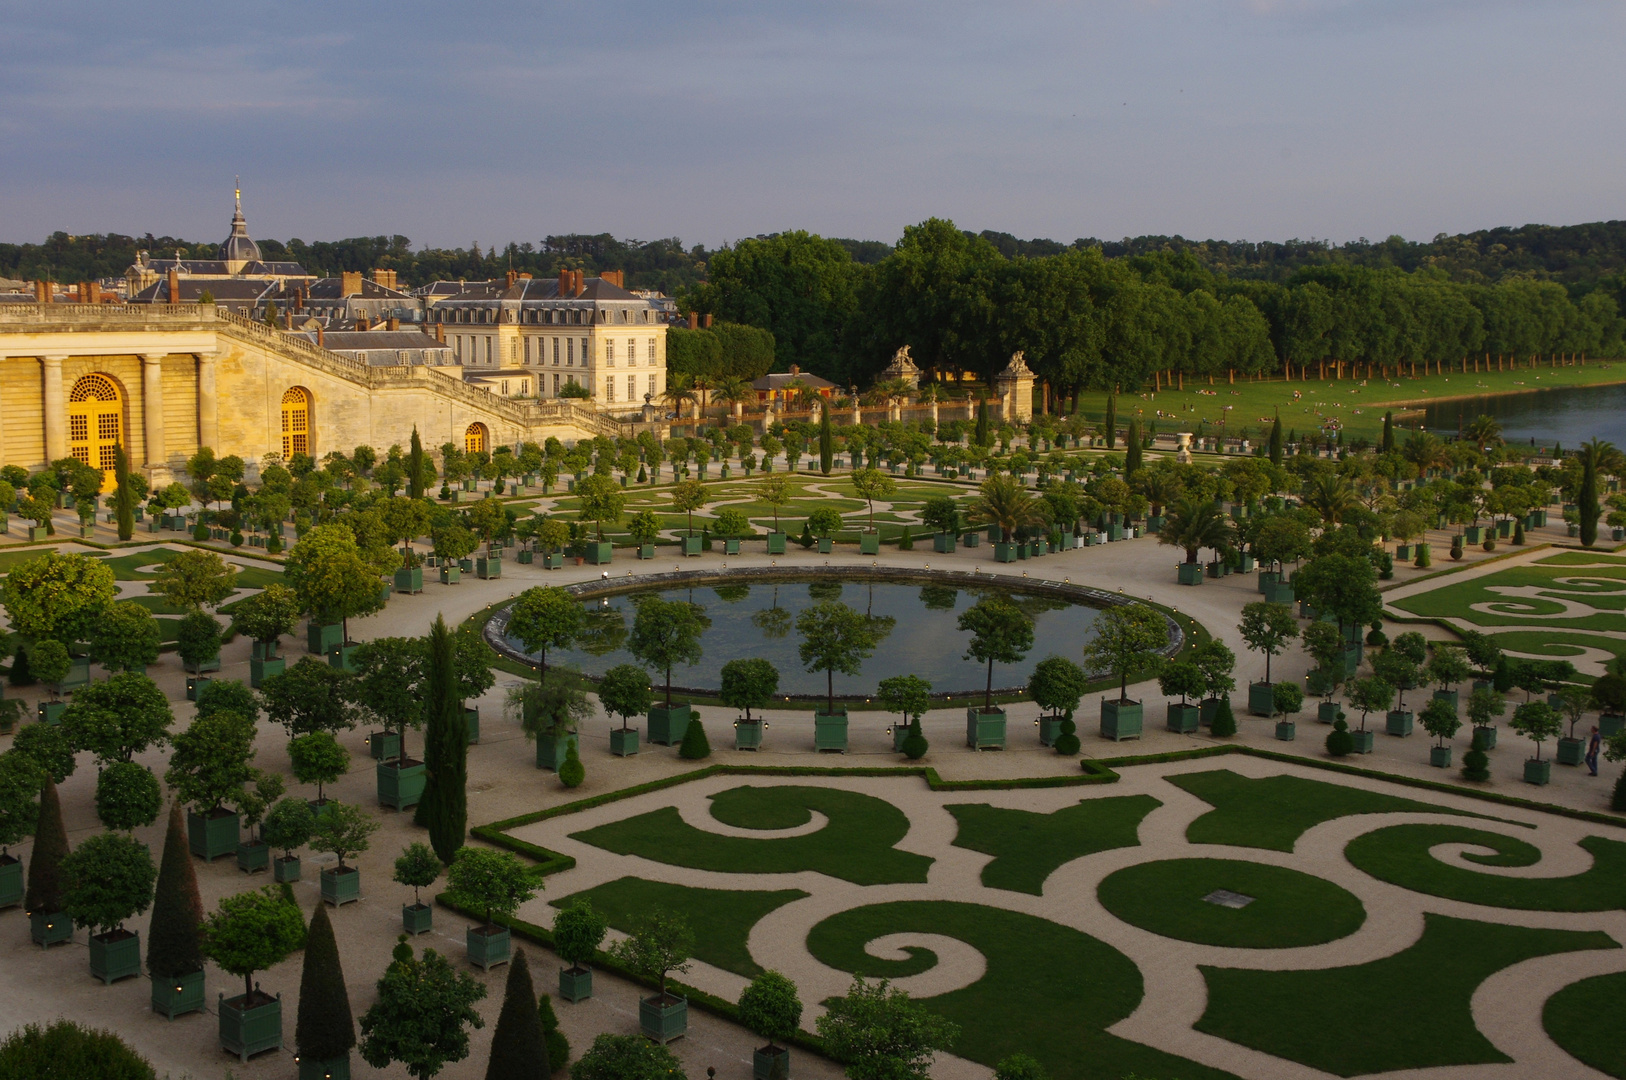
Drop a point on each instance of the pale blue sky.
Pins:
(453, 122)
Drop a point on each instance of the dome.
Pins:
(238, 248)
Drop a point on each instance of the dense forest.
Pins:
(1091, 314)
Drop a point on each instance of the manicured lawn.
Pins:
(720, 918)
(1599, 589)
(129, 568)
(1400, 855)
(1028, 847)
(1275, 811)
(1289, 909)
(1049, 991)
(856, 844)
(1556, 644)
(1407, 1011)
(1583, 558)
(1583, 1019)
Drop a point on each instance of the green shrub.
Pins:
(914, 744)
(1020, 1067)
(1377, 638)
(1476, 766)
(1423, 561)
(1067, 743)
(1619, 800)
(66, 1051)
(906, 542)
(571, 770)
(554, 1039)
(1340, 743)
(200, 531)
(627, 1057)
(1224, 725)
(695, 745)
(1518, 532)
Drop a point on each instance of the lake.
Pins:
(1571, 415)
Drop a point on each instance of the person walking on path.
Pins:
(1592, 745)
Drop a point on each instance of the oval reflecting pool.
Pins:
(759, 619)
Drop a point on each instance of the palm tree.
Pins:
(1160, 488)
(1195, 522)
(679, 389)
(1330, 495)
(1483, 431)
(1004, 502)
(734, 390)
(1426, 452)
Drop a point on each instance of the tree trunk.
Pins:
(988, 691)
(830, 691)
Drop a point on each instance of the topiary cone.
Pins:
(175, 937)
(1224, 725)
(695, 745)
(518, 1050)
(325, 1029)
(50, 847)
(914, 744)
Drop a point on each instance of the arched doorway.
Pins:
(96, 423)
(475, 439)
(296, 422)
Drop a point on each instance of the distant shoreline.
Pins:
(1412, 405)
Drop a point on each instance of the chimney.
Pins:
(512, 277)
(385, 278)
(579, 279)
(614, 277)
(288, 320)
(42, 292)
(440, 332)
(319, 336)
(174, 286)
(393, 324)
(708, 320)
(694, 320)
(525, 277)
(795, 370)
(351, 283)
(564, 282)
(299, 298)
(362, 323)
(94, 290)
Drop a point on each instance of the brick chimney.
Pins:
(512, 277)
(385, 278)
(320, 344)
(393, 324)
(42, 292)
(614, 277)
(362, 323)
(93, 291)
(440, 332)
(288, 319)
(564, 282)
(299, 298)
(694, 321)
(578, 279)
(350, 283)
(174, 286)
(707, 323)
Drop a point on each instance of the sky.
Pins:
(454, 123)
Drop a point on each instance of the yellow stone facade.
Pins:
(167, 379)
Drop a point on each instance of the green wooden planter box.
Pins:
(663, 1020)
(400, 786)
(11, 881)
(1049, 730)
(252, 857)
(321, 640)
(899, 733)
(692, 544)
(47, 928)
(213, 836)
(36, 533)
(984, 730)
(1213, 570)
(1327, 711)
(409, 579)
(1611, 724)
(78, 674)
(1023, 551)
(50, 712)
(748, 734)
(551, 750)
(383, 745)
(344, 657)
(1286, 730)
(1182, 719)
(471, 720)
(776, 543)
(526, 558)
(943, 543)
(668, 723)
(324, 1068)
(488, 568)
(177, 996)
(1363, 741)
(830, 731)
(450, 575)
(1280, 592)
(1244, 564)
(869, 543)
(1190, 573)
(285, 869)
(972, 539)
(1262, 699)
(1570, 751)
(826, 545)
(417, 918)
(624, 741)
(553, 560)
(261, 670)
(599, 552)
(1447, 696)
(1485, 738)
(195, 683)
(1399, 722)
(249, 1031)
(774, 1065)
(1439, 757)
(575, 983)
(1538, 772)
(645, 551)
(1003, 552)
(489, 947)
(731, 546)
(340, 887)
(1120, 720)
(115, 955)
(1403, 553)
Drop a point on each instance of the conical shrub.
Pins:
(914, 744)
(50, 848)
(558, 1046)
(174, 940)
(518, 1051)
(1476, 766)
(20, 675)
(695, 745)
(1340, 743)
(1224, 725)
(325, 1029)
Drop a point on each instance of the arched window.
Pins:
(96, 423)
(296, 422)
(475, 439)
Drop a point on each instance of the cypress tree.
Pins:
(558, 1046)
(518, 1051)
(50, 847)
(325, 1029)
(982, 437)
(123, 496)
(20, 675)
(1388, 432)
(1276, 441)
(174, 940)
(1112, 421)
(695, 745)
(1586, 501)
(415, 467)
(1224, 724)
(444, 809)
(1132, 451)
(827, 445)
